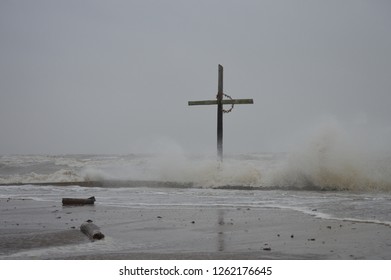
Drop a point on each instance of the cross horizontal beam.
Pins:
(226, 101)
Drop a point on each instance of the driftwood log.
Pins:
(91, 230)
(78, 201)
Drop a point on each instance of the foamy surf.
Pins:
(317, 169)
(363, 207)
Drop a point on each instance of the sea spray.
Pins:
(326, 162)
(332, 160)
(202, 171)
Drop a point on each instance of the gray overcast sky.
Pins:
(115, 76)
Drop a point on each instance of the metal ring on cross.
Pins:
(232, 105)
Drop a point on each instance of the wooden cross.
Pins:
(220, 102)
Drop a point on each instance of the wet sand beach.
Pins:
(32, 229)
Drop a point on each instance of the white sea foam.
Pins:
(331, 159)
(320, 166)
(62, 175)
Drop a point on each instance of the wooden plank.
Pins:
(238, 101)
(78, 201)
(203, 102)
(220, 96)
(226, 102)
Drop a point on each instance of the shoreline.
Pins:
(47, 230)
(168, 184)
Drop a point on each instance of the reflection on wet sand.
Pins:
(220, 231)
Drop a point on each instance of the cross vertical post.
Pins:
(220, 115)
(220, 110)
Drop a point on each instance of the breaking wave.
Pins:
(322, 169)
(332, 161)
(328, 162)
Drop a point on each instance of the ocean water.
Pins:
(325, 183)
